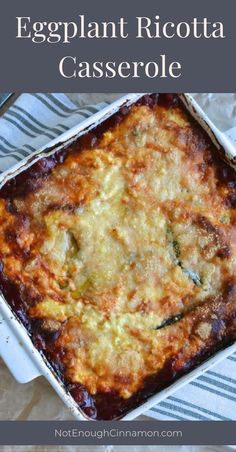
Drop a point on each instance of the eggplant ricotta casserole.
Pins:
(118, 254)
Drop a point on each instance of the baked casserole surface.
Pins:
(118, 254)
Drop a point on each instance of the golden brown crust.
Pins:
(125, 252)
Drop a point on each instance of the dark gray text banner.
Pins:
(122, 433)
(150, 45)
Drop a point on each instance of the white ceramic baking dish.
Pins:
(16, 348)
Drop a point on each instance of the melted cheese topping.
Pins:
(117, 241)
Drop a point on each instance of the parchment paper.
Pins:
(37, 400)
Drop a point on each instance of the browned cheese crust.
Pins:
(120, 257)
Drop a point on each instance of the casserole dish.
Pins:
(16, 190)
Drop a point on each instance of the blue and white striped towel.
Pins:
(31, 122)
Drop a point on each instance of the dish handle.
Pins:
(15, 356)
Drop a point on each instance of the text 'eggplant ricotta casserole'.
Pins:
(118, 254)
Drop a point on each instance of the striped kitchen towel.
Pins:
(31, 122)
(34, 120)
